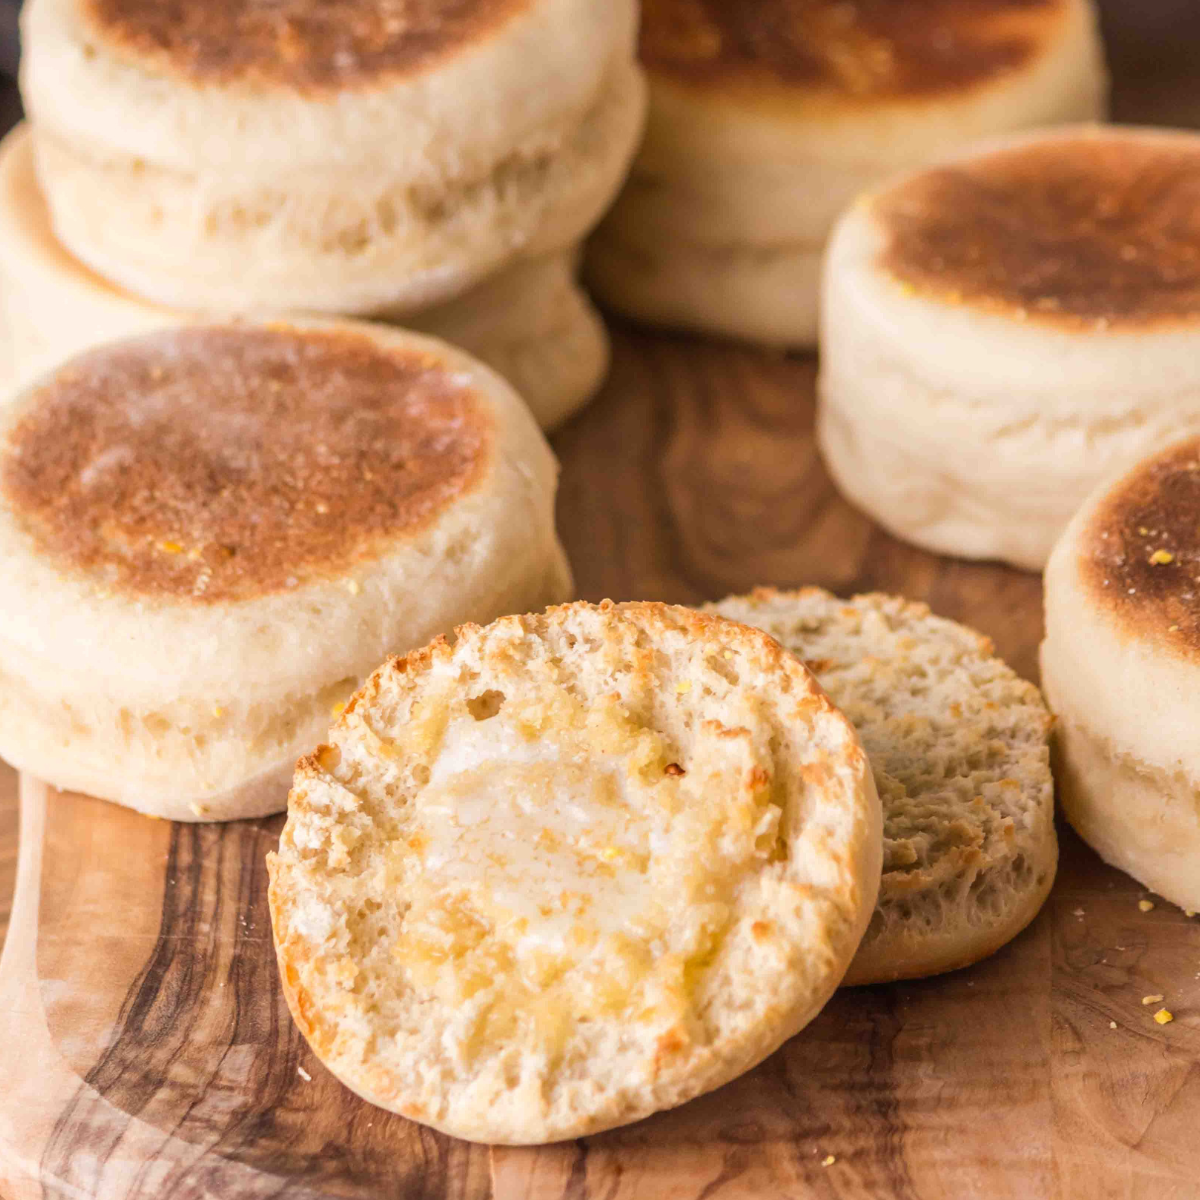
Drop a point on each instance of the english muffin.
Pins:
(1121, 667)
(1005, 330)
(534, 324)
(344, 157)
(529, 321)
(767, 117)
(958, 746)
(570, 869)
(212, 535)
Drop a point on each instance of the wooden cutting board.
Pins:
(148, 1052)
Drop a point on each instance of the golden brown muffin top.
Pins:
(224, 463)
(1139, 554)
(305, 44)
(1088, 231)
(872, 49)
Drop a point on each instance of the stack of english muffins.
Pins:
(767, 118)
(269, 517)
(432, 165)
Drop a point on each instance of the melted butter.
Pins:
(563, 862)
(572, 875)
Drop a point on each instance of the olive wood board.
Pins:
(147, 1051)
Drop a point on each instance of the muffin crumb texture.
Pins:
(959, 747)
(538, 885)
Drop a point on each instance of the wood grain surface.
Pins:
(146, 1050)
(155, 1055)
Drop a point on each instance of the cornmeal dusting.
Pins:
(1046, 230)
(307, 45)
(228, 442)
(868, 49)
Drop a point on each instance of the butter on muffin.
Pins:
(569, 869)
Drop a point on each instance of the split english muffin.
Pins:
(1003, 331)
(958, 746)
(345, 157)
(1121, 669)
(530, 321)
(767, 117)
(570, 869)
(211, 536)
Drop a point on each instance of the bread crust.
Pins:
(1120, 667)
(310, 47)
(358, 240)
(876, 51)
(1139, 553)
(541, 64)
(219, 463)
(702, 691)
(1096, 229)
(1139, 817)
(959, 747)
(531, 322)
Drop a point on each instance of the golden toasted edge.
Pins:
(319, 51)
(1137, 553)
(713, 1063)
(197, 566)
(945, 260)
(913, 956)
(888, 60)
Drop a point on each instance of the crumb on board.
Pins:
(1146, 905)
(304, 1074)
(829, 1160)
(1163, 1017)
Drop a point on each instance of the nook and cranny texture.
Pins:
(959, 747)
(569, 869)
